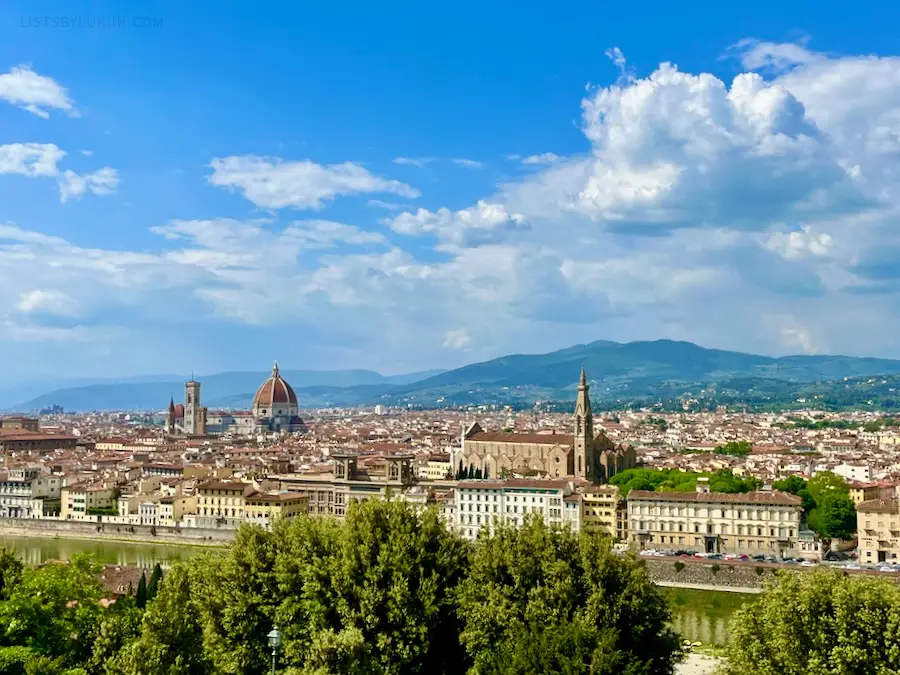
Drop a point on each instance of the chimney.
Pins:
(703, 484)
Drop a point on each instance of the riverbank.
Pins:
(709, 587)
(105, 532)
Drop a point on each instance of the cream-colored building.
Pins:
(604, 510)
(221, 503)
(752, 523)
(580, 454)
(78, 501)
(878, 529)
(484, 503)
(436, 467)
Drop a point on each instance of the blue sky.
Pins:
(401, 186)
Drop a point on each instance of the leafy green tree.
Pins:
(792, 484)
(171, 641)
(54, 610)
(824, 483)
(10, 572)
(119, 627)
(735, 449)
(153, 584)
(375, 595)
(822, 622)
(834, 517)
(543, 600)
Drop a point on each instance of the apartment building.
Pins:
(26, 493)
(483, 503)
(79, 501)
(221, 503)
(764, 522)
(262, 509)
(604, 510)
(878, 528)
(436, 467)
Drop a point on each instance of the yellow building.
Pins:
(752, 523)
(603, 509)
(863, 492)
(878, 528)
(221, 503)
(263, 509)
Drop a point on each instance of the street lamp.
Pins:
(274, 642)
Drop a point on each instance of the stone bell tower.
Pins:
(584, 432)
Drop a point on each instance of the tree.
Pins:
(153, 584)
(171, 641)
(376, 594)
(824, 483)
(544, 600)
(833, 517)
(735, 449)
(54, 610)
(10, 572)
(821, 622)
(140, 595)
(792, 484)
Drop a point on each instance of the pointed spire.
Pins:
(171, 404)
(583, 382)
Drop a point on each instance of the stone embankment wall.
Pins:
(726, 574)
(17, 527)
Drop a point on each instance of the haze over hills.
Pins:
(619, 372)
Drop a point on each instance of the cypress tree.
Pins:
(153, 586)
(141, 595)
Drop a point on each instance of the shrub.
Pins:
(715, 569)
(679, 565)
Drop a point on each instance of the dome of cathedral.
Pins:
(274, 391)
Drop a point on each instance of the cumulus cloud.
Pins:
(800, 244)
(42, 159)
(274, 183)
(45, 300)
(24, 88)
(543, 158)
(480, 224)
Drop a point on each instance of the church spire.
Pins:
(584, 430)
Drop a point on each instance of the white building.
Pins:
(857, 472)
(482, 503)
(24, 492)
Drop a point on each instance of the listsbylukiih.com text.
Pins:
(90, 21)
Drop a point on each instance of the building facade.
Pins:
(751, 523)
(483, 504)
(604, 510)
(878, 529)
(27, 493)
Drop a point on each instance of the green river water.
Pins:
(700, 616)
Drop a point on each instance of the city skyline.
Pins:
(514, 182)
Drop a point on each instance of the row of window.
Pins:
(786, 513)
(712, 528)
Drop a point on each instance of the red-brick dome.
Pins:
(274, 391)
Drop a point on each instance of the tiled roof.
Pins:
(888, 506)
(774, 497)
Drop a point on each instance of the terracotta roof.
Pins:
(774, 497)
(536, 439)
(274, 390)
(223, 485)
(512, 483)
(888, 506)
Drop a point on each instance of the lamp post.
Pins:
(274, 642)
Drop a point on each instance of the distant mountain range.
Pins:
(619, 373)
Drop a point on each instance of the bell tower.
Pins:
(584, 432)
(192, 425)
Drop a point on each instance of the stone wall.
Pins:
(728, 574)
(17, 527)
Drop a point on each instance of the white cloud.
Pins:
(273, 183)
(483, 223)
(418, 162)
(30, 159)
(543, 158)
(103, 182)
(49, 301)
(457, 339)
(388, 206)
(42, 159)
(24, 88)
(800, 244)
(467, 163)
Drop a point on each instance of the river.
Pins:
(700, 616)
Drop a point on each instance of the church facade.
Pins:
(580, 455)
